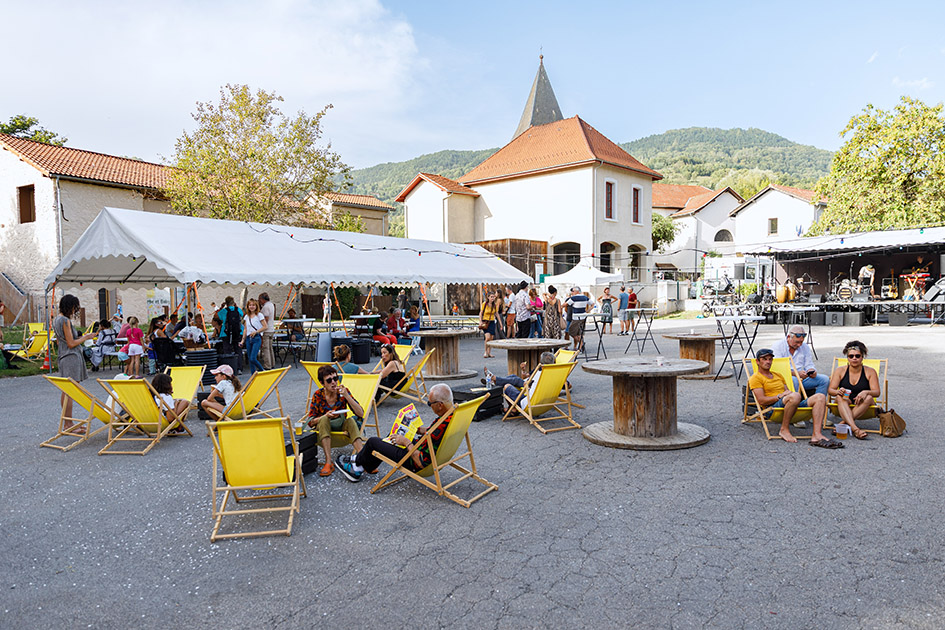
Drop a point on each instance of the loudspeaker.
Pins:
(834, 318)
(936, 292)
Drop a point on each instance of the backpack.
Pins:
(232, 324)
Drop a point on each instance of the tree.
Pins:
(746, 182)
(890, 173)
(664, 231)
(248, 161)
(23, 126)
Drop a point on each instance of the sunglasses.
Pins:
(854, 356)
(330, 379)
(799, 335)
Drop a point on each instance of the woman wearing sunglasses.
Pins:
(329, 412)
(854, 386)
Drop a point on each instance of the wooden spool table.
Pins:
(527, 351)
(701, 347)
(444, 363)
(645, 405)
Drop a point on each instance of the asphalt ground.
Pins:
(737, 533)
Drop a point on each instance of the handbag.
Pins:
(891, 424)
(484, 326)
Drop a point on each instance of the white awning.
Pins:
(876, 241)
(128, 247)
(583, 275)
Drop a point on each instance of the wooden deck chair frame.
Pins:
(567, 356)
(363, 390)
(785, 367)
(190, 378)
(36, 347)
(145, 420)
(882, 370)
(82, 398)
(267, 452)
(443, 457)
(403, 350)
(412, 385)
(255, 393)
(551, 382)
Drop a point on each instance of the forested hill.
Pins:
(745, 159)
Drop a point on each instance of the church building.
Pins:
(559, 182)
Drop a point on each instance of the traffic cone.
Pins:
(45, 367)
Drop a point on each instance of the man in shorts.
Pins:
(623, 303)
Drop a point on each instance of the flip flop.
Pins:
(825, 443)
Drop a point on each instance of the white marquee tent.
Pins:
(583, 275)
(128, 247)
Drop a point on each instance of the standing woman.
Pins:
(606, 302)
(70, 359)
(552, 320)
(487, 316)
(537, 309)
(254, 323)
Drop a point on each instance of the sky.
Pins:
(414, 77)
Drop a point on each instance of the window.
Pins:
(27, 198)
(772, 227)
(636, 205)
(609, 202)
(723, 236)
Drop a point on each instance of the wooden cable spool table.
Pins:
(444, 363)
(645, 405)
(527, 351)
(701, 347)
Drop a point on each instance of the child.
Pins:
(134, 348)
(225, 389)
(164, 387)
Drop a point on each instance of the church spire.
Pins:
(542, 106)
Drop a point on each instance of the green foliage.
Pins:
(664, 231)
(248, 161)
(747, 182)
(708, 156)
(890, 173)
(23, 126)
(747, 288)
(346, 298)
(347, 222)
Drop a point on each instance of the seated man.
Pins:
(296, 331)
(770, 390)
(396, 324)
(793, 346)
(513, 384)
(440, 401)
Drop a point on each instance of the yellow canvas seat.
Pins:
(33, 328)
(412, 385)
(253, 456)
(403, 352)
(81, 397)
(567, 356)
(443, 457)
(545, 385)
(312, 368)
(785, 367)
(254, 394)
(146, 421)
(363, 387)
(882, 402)
(35, 349)
(185, 379)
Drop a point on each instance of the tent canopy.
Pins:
(584, 275)
(122, 247)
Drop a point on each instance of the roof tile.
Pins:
(358, 200)
(444, 183)
(675, 195)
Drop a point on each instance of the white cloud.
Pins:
(918, 84)
(873, 57)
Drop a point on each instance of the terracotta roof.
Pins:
(76, 163)
(798, 193)
(367, 201)
(675, 195)
(697, 203)
(562, 144)
(443, 183)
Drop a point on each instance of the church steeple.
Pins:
(542, 106)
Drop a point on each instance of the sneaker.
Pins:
(327, 469)
(347, 469)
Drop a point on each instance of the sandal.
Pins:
(327, 469)
(825, 443)
(862, 435)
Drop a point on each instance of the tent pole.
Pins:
(340, 313)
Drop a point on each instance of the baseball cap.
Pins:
(764, 352)
(224, 369)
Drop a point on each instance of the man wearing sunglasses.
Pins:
(793, 346)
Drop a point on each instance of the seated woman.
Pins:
(328, 411)
(104, 343)
(413, 322)
(296, 332)
(194, 334)
(854, 386)
(223, 392)
(378, 333)
(342, 356)
(217, 325)
(164, 387)
(391, 369)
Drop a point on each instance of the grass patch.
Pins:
(14, 334)
(682, 315)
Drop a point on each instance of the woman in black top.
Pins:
(392, 370)
(854, 386)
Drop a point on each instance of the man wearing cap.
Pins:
(770, 390)
(793, 346)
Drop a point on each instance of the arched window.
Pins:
(566, 256)
(723, 236)
(635, 261)
(608, 262)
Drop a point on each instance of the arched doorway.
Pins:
(608, 259)
(566, 256)
(635, 261)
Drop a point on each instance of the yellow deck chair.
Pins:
(254, 394)
(34, 328)
(412, 385)
(881, 366)
(145, 422)
(81, 397)
(363, 387)
(185, 379)
(253, 456)
(36, 347)
(785, 367)
(442, 457)
(545, 385)
(312, 368)
(567, 356)
(403, 352)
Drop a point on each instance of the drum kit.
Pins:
(798, 291)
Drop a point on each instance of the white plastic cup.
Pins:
(659, 361)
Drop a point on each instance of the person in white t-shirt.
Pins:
(268, 310)
(176, 408)
(254, 324)
(223, 392)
